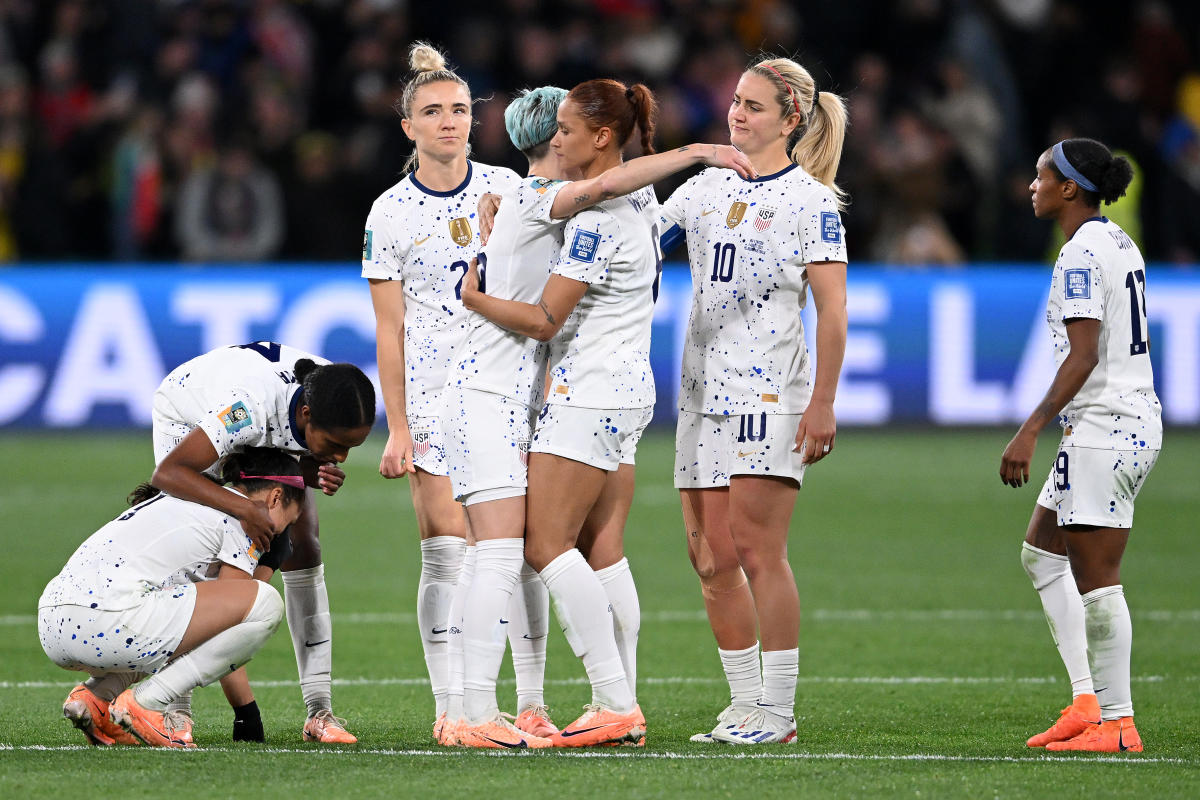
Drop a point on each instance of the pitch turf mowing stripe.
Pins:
(814, 615)
(351, 750)
(885, 680)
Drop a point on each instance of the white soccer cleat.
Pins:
(761, 727)
(731, 717)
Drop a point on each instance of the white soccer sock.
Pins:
(780, 669)
(586, 618)
(744, 674)
(441, 561)
(312, 634)
(107, 687)
(220, 655)
(617, 581)
(1110, 640)
(528, 618)
(497, 568)
(1051, 576)
(454, 642)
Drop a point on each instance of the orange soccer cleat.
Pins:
(1083, 712)
(324, 727)
(535, 721)
(155, 728)
(448, 733)
(498, 734)
(1110, 736)
(600, 725)
(89, 714)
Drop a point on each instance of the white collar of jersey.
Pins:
(454, 191)
(773, 175)
(1086, 221)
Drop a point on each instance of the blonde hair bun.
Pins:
(423, 57)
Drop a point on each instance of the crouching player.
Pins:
(115, 612)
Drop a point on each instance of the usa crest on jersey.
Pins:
(764, 219)
(420, 443)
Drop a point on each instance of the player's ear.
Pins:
(275, 498)
(407, 126)
(603, 136)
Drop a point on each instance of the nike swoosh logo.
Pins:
(521, 745)
(1121, 741)
(503, 621)
(706, 213)
(435, 630)
(307, 643)
(419, 242)
(743, 455)
(531, 638)
(567, 733)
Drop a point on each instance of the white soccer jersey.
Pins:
(1100, 275)
(523, 248)
(601, 357)
(241, 396)
(143, 549)
(426, 239)
(749, 244)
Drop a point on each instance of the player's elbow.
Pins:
(544, 331)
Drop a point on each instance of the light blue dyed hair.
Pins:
(532, 118)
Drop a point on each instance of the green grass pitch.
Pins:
(925, 662)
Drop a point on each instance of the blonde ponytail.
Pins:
(816, 143)
(429, 64)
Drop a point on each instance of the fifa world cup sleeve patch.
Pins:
(831, 227)
(1077, 284)
(583, 246)
(236, 417)
(367, 245)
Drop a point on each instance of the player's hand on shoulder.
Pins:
(397, 455)
(816, 433)
(489, 204)
(330, 478)
(1014, 463)
(727, 157)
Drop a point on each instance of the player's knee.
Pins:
(267, 608)
(722, 583)
(1042, 568)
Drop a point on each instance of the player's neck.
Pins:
(769, 161)
(442, 176)
(547, 167)
(1074, 215)
(605, 160)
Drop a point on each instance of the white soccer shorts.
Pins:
(1093, 486)
(487, 443)
(429, 444)
(603, 438)
(712, 448)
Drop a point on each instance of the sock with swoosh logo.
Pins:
(441, 562)
(497, 568)
(454, 639)
(618, 584)
(528, 624)
(312, 634)
(1110, 640)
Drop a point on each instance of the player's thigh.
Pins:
(1095, 555)
(503, 518)
(602, 538)
(706, 524)
(760, 512)
(561, 493)
(1044, 533)
(437, 512)
(219, 606)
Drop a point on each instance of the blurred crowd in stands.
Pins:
(213, 130)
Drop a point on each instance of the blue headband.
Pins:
(1069, 172)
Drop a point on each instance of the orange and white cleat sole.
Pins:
(1110, 736)
(154, 728)
(1083, 713)
(499, 734)
(89, 714)
(602, 726)
(325, 728)
(536, 721)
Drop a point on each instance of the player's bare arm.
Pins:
(180, 474)
(541, 321)
(387, 298)
(1084, 336)
(818, 425)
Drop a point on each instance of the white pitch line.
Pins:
(881, 680)
(813, 615)
(640, 754)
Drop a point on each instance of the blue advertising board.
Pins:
(85, 345)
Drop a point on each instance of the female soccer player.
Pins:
(751, 417)
(1103, 397)
(419, 238)
(115, 612)
(494, 390)
(595, 309)
(265, 394)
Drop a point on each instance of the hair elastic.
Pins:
(1068, 169)
(786, 85)
(290, 480)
